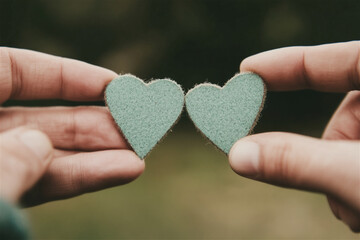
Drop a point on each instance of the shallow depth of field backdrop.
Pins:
(188, 189)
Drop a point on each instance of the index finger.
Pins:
(26, 74)
(329, 68)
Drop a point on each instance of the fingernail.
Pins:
(244, 158)
(37, 142)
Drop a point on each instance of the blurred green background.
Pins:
(188, 190)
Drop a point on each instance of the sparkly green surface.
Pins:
(226, 114)
(144, 112)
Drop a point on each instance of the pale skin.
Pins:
(78, 150)
(54, 153)
(330, 165)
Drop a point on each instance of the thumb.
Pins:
(301, 162)
(24, 156)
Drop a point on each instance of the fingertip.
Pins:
(245, 65)
(127, 166)
(244, 157)
(103, 72)
(255, 62)
(97, 78)
(34, 140)
(107, 74)
(137, 165)
(29, 153)
(38, 142)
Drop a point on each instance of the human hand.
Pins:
(52, 153)
(330, 165)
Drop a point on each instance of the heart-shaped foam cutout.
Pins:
(227, 114)
(144, 112)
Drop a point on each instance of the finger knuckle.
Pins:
(354, 104)
(76, 176)
(5, 74)
(276, 166)
(357, 69)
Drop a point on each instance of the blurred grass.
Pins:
(188, 191)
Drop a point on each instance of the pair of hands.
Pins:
(59, 152)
